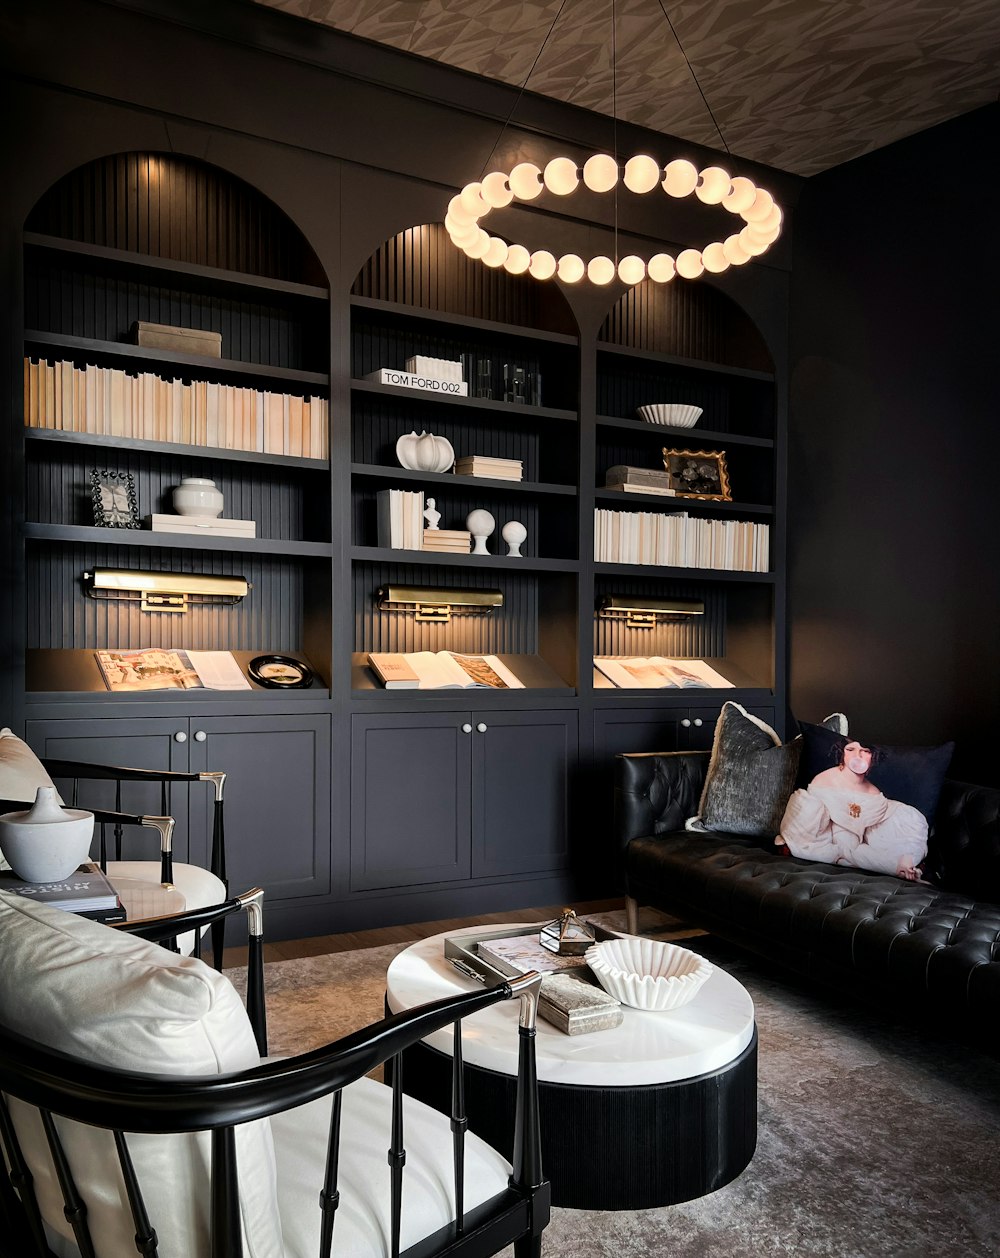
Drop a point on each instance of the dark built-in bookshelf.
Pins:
(462, 793)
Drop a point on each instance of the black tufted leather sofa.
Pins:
(874, 935)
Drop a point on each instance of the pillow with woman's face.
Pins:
(912, 775)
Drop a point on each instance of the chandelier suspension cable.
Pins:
(761, 216)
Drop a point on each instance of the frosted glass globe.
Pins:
(461, 233)
(542, 265)
(517, 261)
(732, 247)
(689, 264)
(660, 268)
(472, 202)
(714, 258)
(600, 270)
(751, 243)
(561, 176)
(525, 181)
(496, 254)
(679, 178)
(632, 269)
(477, 248)
(771, 222)
(571, 268)
(458, 211)
(642, 174)
(715, 184)
(763, 203)
(600, 172)
(496, 191)
(742, 195)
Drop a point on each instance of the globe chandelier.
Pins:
(758, 215)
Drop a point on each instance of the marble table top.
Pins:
(647, 1048)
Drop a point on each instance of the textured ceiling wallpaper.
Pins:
(797, 84)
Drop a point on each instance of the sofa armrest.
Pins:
(656, 792)
(964, 850)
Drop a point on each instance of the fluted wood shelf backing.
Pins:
(146, 538)
(536, 673)
(102, 441)
(674, 360)
(85, 346)
(216, 277)
(76, 671)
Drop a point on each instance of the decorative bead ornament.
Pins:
(600, 173)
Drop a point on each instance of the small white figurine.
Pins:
(431, 515)
(480, 524)
(514, 533)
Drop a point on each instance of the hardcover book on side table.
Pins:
(87, 892)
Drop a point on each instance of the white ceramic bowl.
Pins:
(648, 973)
(671, 414)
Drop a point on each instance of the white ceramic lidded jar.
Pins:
(47, 842)
(196, 495)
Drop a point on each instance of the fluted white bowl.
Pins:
(648, 973)
(671, 414)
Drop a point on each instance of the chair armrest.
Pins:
(656, 792)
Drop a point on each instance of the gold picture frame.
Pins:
(698, 474)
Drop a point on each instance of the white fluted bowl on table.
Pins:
(648, 973)
(671, 414)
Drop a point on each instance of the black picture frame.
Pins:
(280, 672)
(114, 500)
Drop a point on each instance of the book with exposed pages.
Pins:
(87, 892)
(444, 670)
(156, 669)
(656, 672)
(392, 670)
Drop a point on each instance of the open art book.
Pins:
(657, 672)
(441, 670)
(155, 669)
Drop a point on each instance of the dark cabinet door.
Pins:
(134, 743)
(522, 774)
(411, 799)
(277, 799)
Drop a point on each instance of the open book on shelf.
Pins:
(156, 669)
(658, 672)
(441, 670)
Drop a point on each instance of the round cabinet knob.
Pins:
(686, 723)
(200, 735)
(180, 737)
(481, 727)
(697, 720)
(466, 729)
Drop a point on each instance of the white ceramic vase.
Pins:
(47, 842)
(196, 495)
(426, 453)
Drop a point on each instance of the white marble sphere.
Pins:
(480, 524)
(514, 533)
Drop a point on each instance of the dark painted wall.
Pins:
(895, 445)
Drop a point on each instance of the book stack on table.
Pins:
(638, 480)
(480, 465)
(87, 892)
(452, 541)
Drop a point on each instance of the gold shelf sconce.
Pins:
(645, 613)
(165, 591)
(432, 605)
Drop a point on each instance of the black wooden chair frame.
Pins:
(122, 1101)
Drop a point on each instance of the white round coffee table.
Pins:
(660, 1109)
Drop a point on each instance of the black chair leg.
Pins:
(528, 1247)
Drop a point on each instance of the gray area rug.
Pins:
(874, 1139)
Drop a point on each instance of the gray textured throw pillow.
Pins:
(750, 775)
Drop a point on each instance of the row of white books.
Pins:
(401, 519)
(678, 540)
(106, 401)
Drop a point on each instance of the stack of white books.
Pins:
(638, 480)
(481, 465)
(208, 526)
(452, 541)
(400, 519)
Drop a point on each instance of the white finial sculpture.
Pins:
(514, 533)
(480, 524)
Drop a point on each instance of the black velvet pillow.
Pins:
(913, 775)
(750, 775)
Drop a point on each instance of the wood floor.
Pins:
(319, 945)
